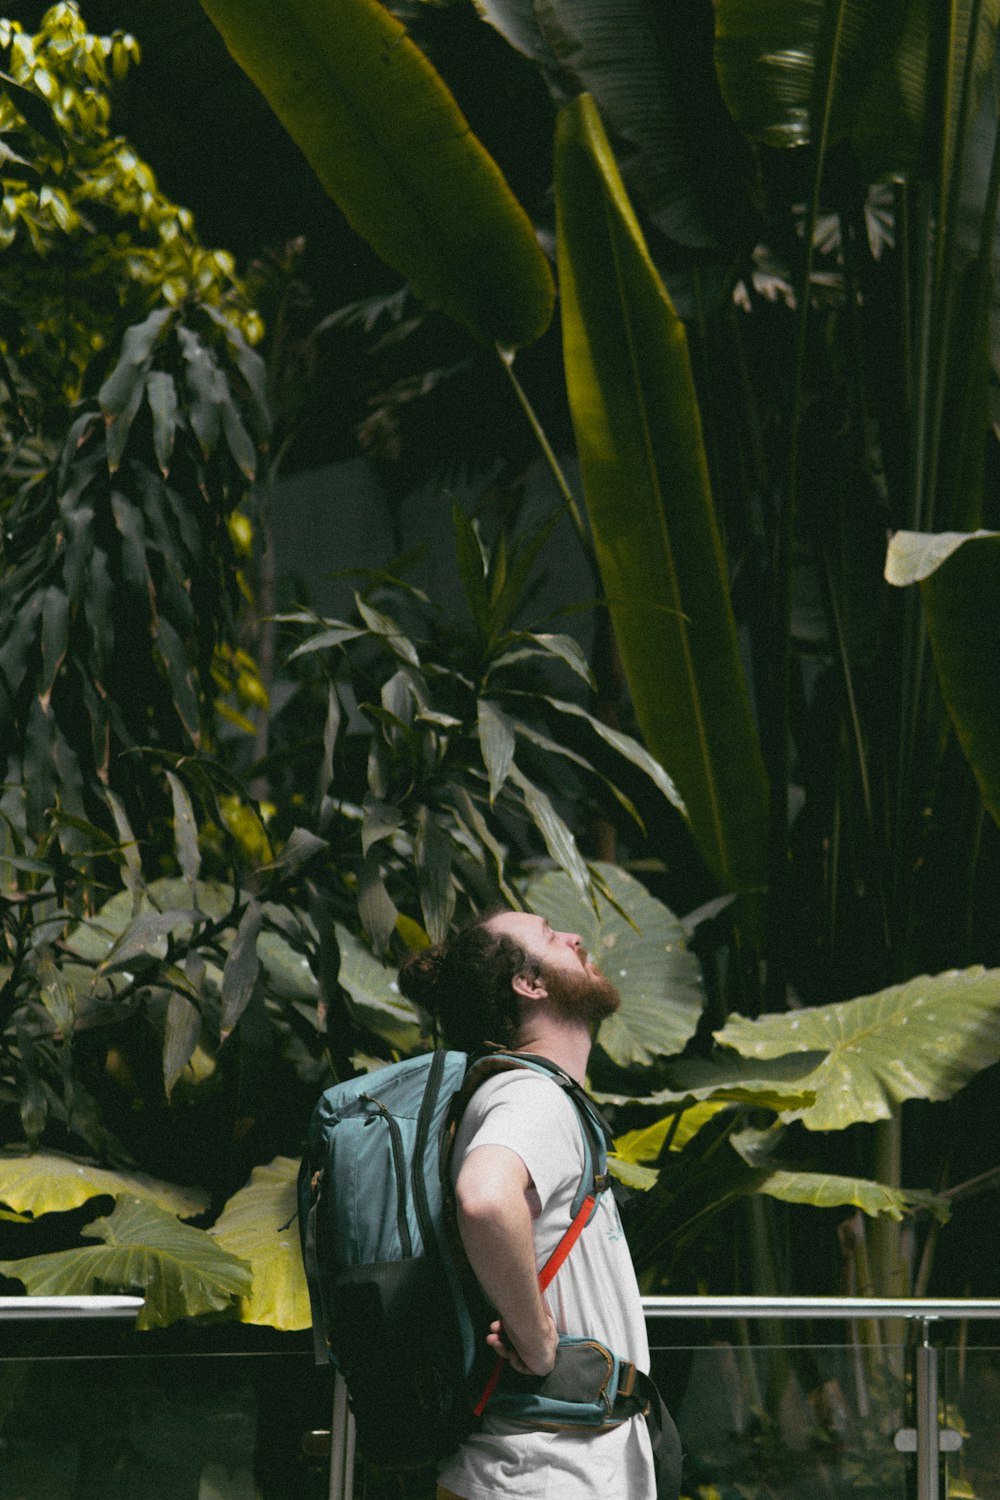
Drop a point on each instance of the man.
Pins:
(518, 1159)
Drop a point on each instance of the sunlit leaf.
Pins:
(921, 1040)
(389, 144)
(645, 476)
(180, 1271)
(258, 1225)
(47, 1183)
(826, 1190)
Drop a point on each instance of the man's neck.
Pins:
(566, 1043)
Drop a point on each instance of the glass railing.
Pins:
(785, 1399)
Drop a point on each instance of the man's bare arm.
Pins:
(495, 1224)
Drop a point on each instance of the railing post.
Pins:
(926, 1416)
(341, 1444)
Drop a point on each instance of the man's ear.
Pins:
(529, 986)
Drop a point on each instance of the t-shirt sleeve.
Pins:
(531, 1116)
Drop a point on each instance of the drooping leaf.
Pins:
(180, 1271)
(826, 1190)
(649, 964)
(432, 851)
(299, 848)
(645, 476)
(375, 906)
(959, 577)
(257, 1225)
(496, 740)
(182, 1032)
(144, 939)
(138, 341)
(185, 831)
(389, 144)
(48, 1183)
(161, 393)
(242, 968)
(921, 1040)
(55, 637)
(558, 838)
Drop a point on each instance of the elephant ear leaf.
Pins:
(256, 1225)
(181, 1272)
(390, 145)
(47, 1183)
(958, 574)
(644, 955)
(921, 1040)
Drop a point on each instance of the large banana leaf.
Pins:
(959, 578)
(645, 477)
(257, 1225)
(650, 71)
(886, 73)
(47, 1183)
(390, 145)
(180, 1271)
(649, 963)
(921, 1040)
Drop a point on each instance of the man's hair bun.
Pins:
(421, 974)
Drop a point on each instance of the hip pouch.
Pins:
(589, 1387)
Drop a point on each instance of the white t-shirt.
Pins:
(593, 1293)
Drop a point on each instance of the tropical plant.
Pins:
(120, 584)
(738, 495)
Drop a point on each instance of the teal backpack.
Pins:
(394, 1304)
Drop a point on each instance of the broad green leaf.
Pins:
(239, 976)
(886, 73)
(921, 1040)
(391, 147)
(47, 1183)
(825, 1190)
(181, 1272)
(645, 478)
(432, 850)
(375, 996)
(258, 1225)
(959, 577)
(658, 979)
(496, 740)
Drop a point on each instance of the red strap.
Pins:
(545, 1276)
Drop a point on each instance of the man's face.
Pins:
(576, 987)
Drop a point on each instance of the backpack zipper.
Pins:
(399, 1167)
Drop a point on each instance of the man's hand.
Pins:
(527, 1361)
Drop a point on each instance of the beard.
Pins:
(587, 996)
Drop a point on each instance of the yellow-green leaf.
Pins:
(47, 1183)
(258, 1225)
(389, 144)
(649, 500)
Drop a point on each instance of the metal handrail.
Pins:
(20, 1308)
(924, 1311)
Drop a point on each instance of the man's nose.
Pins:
(571, 939)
